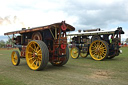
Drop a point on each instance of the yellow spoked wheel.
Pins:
(74, 52)
(61, 63)
(15, 58)
(99, 50)
(83, 55)
(37, 55)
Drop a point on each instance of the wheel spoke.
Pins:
(30, 53)
(15, 57)
(101, 45)
(32, 48)
(39, 58)
(94, 52)
(97, 56)
(33, 62)
(38, 51)
(39, 54)
(98, 44)
(34, 45)
(31, 58)
(100, 56)
(102, 53)
(37, 63)
(101, 48)
(37, 48)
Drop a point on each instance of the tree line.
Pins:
(3, 43)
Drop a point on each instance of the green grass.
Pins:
(81, 71)
(4, 80)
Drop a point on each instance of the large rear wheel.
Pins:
(37, 55)
(113, 54)
(60, 62)
(99, 50)
(74, 52)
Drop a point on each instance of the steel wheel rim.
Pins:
(14, 58)
(74, 52)
(33, 55)
(83, 55)
(98, 50)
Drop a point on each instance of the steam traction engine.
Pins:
(42, 44)
(99, 44)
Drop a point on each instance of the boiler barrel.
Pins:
(89, 30)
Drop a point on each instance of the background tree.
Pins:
(9, 42)
(126, 40)
(2, 43)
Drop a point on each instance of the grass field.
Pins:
(82, 71)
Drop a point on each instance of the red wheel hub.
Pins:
(34, 54)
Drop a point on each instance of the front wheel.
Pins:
(74, 52)
(61, 63)
(83, 54)
(15, 58)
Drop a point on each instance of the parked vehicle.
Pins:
(42, 44)
(99, 44)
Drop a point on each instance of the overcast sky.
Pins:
(82, 14)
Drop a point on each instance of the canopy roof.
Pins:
(97, 33)
(57, 25)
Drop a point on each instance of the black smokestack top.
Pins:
(8, 20)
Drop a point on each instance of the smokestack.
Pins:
(79, 31)
(23, 28)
